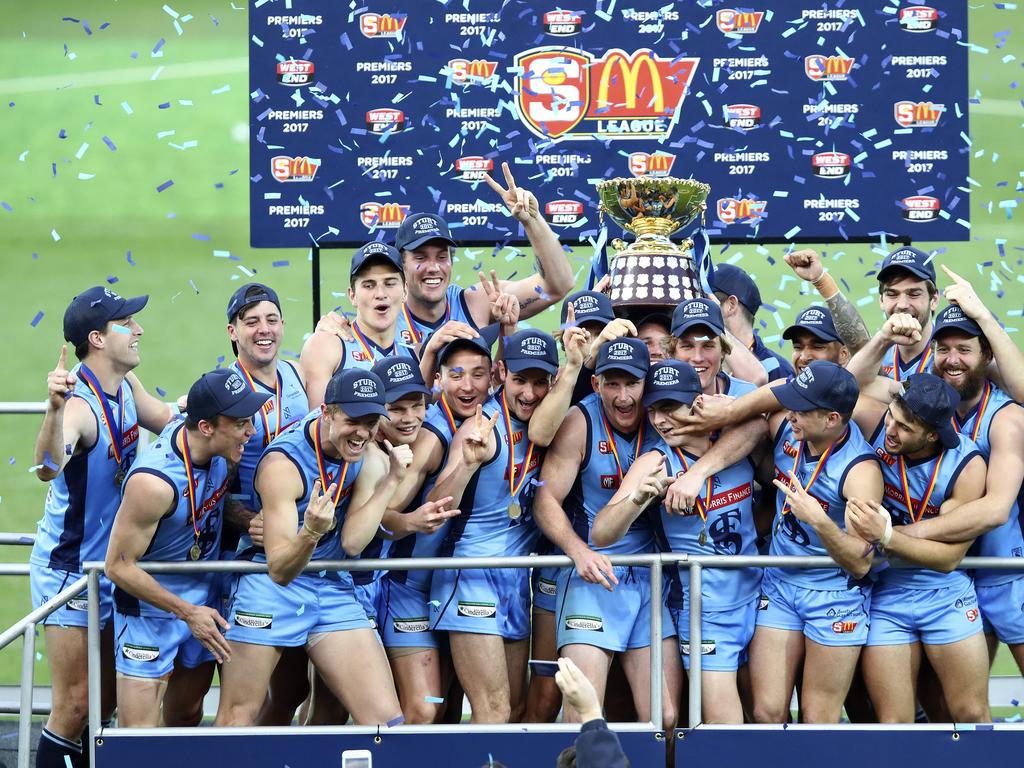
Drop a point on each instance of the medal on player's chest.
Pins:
(119, 476)
(194, 551)
(515, 510)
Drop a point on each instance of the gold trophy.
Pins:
(652, 271)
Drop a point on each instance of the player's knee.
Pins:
(668, 715)
(235, 714)
(71, 711)
(420, 712)
(767, 712)
(971, 711)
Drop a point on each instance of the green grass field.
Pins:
(95, 88)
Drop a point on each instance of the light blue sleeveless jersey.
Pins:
(353, 355)
(81, 501)
(598, 480)
(730, 531)
(485, 528)
(792, 537)
(920, 364)
(420, 330)
(919, 476)
(175, 534)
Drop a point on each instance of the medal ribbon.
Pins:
(363, 343)
(922, 366)
(916, 517)
(703, 505)
(417, 337)
(448, 415)
(817, 469)
(267, 437)
(981, 412)
(611, 442)
(324, 484)
(193, 486)
(115, 431)
(513, 486)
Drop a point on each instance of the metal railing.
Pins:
(655, 562)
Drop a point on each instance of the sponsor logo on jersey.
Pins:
(830, 165)
(128, 438)
(547, 587)
(563, 212)
(80, 603)
(843, 627)
(145, 653)
(415, 624)
(707, 647)
(477, 610)
(473, 168)
(643, 164)
(285, 168)
(603, 446)
(919, 18)
(819, 67)
(388, 26)
(735, 22)
(742, 116)
(762, 603)
(254, 620)
(382, 215)
(972, 614)
(295, 72)
(918, 114)
(585, 623)
(961, 603)
(609, 482)
(471, 72)
(572, 94)
(385, 119)
(562, 23)
(920, 208)
(748, 209)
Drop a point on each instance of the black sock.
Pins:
(57, 752)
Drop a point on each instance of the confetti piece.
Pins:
(127, 108)
(433, 699)
(54, 235)
(280, 264)
(395, 721)
(165, 185)
(109, 143)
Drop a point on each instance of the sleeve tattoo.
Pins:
(849, 324)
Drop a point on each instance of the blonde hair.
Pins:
(669, 344)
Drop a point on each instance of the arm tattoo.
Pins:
(528, 302)
(849, 324)
(540, 269)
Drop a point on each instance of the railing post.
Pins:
(93, 664)
(28, 662)
(696, 579)
(657, 672)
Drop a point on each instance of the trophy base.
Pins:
(655, 280)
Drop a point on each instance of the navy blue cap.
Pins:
(372, 252)
(589, 306)
(671, 380)
(482, 343)
(934, 402)
(733, 281)
(91, 310)
(818, 322)
(401, 376)
(531, 349)
(420, 228)
(697, 312)
(223, 392)
(624, 354)
(357, 392)
(952, 317)
(239, 301)
(820, 385)
(915, 261)
(661, 318)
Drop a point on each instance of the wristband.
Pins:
(826, 286)
(886, 537)
(315, 534)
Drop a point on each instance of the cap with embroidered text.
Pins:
(624, 354)
(357, 392)
(821, 384)
(481, 343)
(913, 260)
(531, 349)
(401, 376)
(953, 318)
(258, 292)
(374, 252)
(817, 321)
(589, 306)
(421, 228)
(223, 392)
(697, 312)
(733, 281)
(91, 310)
(671, 380)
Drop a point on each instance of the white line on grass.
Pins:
(137, 74)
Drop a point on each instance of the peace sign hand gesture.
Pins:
(522, 204)
(476, 442)
(504, 306)
(801, 503)
(319, 515)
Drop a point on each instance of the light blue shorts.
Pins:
(45, 582)
(1002, 610)
(828, 617)
(545, 588)
(369, 597)
(933, 616)
(588, 614)
(147, 646)
(405, 617)
(265, 613)
(490, 601)
(724, 636)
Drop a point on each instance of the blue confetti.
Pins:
(37, 318)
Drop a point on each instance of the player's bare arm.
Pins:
(319, 359)
(850, 326)
(473, 444)
(153, 413)
(68, 424)
(644, 483)
(287, 545)
(374, 488)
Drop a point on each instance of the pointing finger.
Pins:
(570, 316)
(62, 361)
(388, 445)
(953, 275)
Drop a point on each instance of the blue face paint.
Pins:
(121, 328)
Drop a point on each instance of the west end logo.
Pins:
(566, 93)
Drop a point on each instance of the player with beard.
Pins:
(376, 290)
(426, 244)
(821, 460)
(929, 471)
(324, 486)
(604, 611)
(86, 444)
(906, 286)
(419, 656)
(167, 625)
(490, 465)
(721, 523)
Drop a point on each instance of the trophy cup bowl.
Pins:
(652, 271)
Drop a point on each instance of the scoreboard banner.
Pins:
(812, 121)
